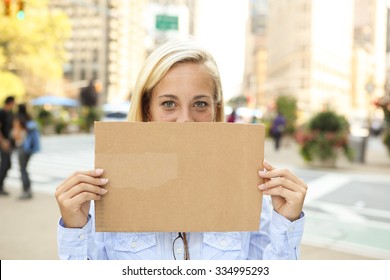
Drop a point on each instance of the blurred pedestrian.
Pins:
(232, 117)
(26, 139)
(277, 129)
(180, 82)
(6, 116)
(254, 119)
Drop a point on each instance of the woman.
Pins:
(277, 129)
(25, 136)
(180, 82)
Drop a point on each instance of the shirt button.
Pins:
(223, 243)
(291, 229)
(81, 236)
(179, 251)
(133, 244)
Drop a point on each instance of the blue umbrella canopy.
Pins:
(55, 100)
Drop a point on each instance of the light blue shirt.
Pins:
(278, 238)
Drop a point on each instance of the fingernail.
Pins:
(266, 162)
(103, 191)
(103, 180)
(99, 171)
(261, 187)
(262, 172)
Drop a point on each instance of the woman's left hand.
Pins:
(286, 189)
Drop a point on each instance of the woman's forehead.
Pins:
(187, 75)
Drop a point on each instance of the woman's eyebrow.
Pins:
(171, 96)
(202, 96)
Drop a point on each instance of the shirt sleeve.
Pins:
(80, 243)
(278, 238)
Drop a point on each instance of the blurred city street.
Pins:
(70, 63)
(347, 208)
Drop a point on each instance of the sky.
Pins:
(221, 30)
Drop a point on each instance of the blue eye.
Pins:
(200, 104)
(168, 104)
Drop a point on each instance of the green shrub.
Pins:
(324, 137)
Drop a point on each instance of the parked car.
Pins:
(377, 126)
(244, 114)
(115, 111)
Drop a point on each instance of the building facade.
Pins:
(328, 54)
(255, 73)
(126, 49)
(369, 56)
(309, 56)
(111, 38)
(106, 45)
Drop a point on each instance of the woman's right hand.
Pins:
(74, 196)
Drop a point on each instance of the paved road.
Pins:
(350, 212)
(347, 208)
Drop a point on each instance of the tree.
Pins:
(32, 49)
(10, 84)
(287, 106)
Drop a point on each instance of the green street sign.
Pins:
(165, 22)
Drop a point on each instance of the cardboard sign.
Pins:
(172, 177)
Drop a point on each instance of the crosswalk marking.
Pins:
(48, 169)
(324, 185)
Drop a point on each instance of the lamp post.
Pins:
(370, 87)
(360, 136)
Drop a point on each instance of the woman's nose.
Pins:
(185, 116)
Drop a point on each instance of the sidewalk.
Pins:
(377, 160)
(28, 228)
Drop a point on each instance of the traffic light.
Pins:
(7, 8)
(20, 14)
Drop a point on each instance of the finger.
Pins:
(273, 173)
(82, 188)
(282, 182)
(290, 203)
(291, 198)
(278, 191)
(81, 177)
(267, 165)
(93, 173)
(80, 198)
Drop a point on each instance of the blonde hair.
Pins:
(157, 65)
